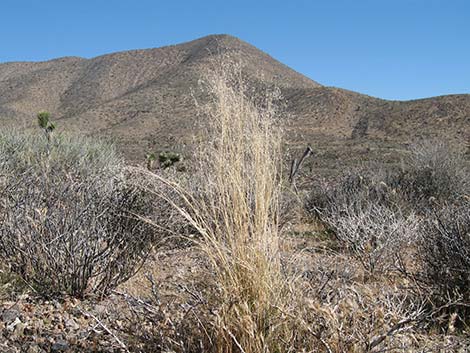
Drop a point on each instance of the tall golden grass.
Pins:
(236, 211)
(258, 298)
(239, 215)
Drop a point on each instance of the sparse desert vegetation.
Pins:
(100, 256)
(144, 99)
(68, 214)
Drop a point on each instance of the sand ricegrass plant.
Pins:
(235, 208)
(239, 215)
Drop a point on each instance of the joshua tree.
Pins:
(45, 124)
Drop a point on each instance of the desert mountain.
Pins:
(144, 99)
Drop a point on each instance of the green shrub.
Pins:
(67, 209)
(151, 157)
(167, 159)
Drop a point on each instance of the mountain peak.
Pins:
(144, 99)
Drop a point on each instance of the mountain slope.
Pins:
(144, 99)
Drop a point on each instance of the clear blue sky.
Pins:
(395, 49)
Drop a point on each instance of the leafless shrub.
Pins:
(375, 211)
(444, 251)
(376, 235)
(68, 214)
(448, 166)
(435, 172)
(367, 217)
(356, 189)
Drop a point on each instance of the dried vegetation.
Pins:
(381, 263)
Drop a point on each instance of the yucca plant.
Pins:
(167, 159)
(45, 124)
(150, 158)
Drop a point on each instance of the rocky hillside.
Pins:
(144, 99)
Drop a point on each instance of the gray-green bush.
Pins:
(68, 214)
(374, 211)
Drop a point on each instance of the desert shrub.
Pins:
(167, 159)
(374, 210)
(67, 214)
(436, 182)
(367, 216)
(376, 235)
(435, 172)
(356, 189)
(444, 252)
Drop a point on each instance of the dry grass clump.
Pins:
(67, 214)
(235, 209)
(238, 217)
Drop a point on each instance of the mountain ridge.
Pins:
(143, 99)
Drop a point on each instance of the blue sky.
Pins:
(394, 49)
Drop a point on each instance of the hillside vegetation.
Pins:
(226, 255)
(144, 99)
